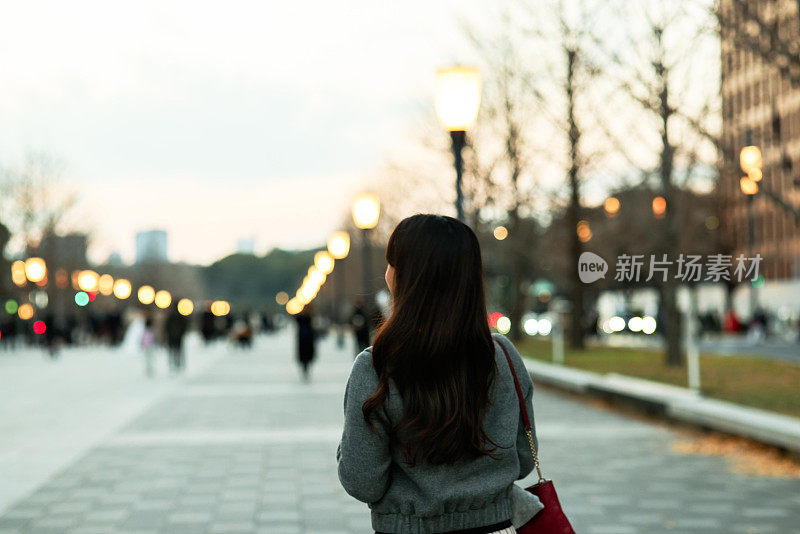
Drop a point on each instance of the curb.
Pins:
(675, 403)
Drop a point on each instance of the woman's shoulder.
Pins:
(363, 367)
(512, 351)
(503, 341)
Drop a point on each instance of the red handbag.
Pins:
(552, 519)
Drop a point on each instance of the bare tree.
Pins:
(655, 73)
(35, 201)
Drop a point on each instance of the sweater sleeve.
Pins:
(363, 456)
(526, 463)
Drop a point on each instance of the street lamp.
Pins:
(366, 211)
(750, 161)
(339, 245)
(458, 98)
(338, 248)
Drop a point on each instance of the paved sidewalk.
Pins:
(245, 446)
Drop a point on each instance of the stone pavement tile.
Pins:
(280, 528)
(712, 523)
(14, 522)
(278, 516)
(194, 518)
(231, 528)
(618, 529)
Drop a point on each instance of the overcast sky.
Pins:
(218, 121)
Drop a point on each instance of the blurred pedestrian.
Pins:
(305, 340)
(208, 325)
(432, 439)
(364, 320)
(148, 344)
(176, 327)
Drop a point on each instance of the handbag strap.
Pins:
(523, 410)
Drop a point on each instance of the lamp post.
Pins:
(458, 98)
(366, 211)
(750, 162)
(338, 248)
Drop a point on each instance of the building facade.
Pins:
(761, 105)
(151, 247)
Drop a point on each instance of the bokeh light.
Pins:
(88, 281)
(122, 289)
(659, 206)
(531, 327)
(366, 211)
(25, 312)
(500, 233)
(504, 325)
(163, 299)
(62, 279)
(220, 308)
(545, 327)
(750, 158)
(648, 325)
(294, 307)
(282, 298)
(323, 261)
(458, 96)
(611, 205)
(11, 306)
(35, 269)
(339, 245)
(749, 186)
(146, 294)
(584, 231)
(39, 327)
(616, 324)
(105, 285)
(185, 307)
(81, 298)
(18, 273)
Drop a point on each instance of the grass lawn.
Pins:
(756, 382)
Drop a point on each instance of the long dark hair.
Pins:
(436, 344)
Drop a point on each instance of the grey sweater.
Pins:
(434, 498)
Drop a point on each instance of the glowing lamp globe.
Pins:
(294, 307)
(749, 186)
(323, 261)
(458, 96)
(339, 245)
(750, 158)
(366, 211)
